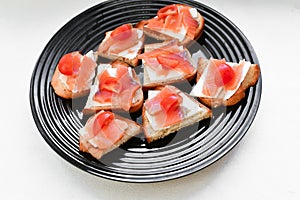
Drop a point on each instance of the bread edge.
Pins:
(175, 127)
(135, 129)
(160, 36)
(134, 107)
(61, 90)
(251, 79)
(133, 62)
(150, 85)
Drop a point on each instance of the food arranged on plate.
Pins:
(224, 83)
(74, 74)
(166, 63)
(124, 43)
(115, 87)
(168, 109)
(105, 131)
(175, 21)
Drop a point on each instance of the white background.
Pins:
(264, 165)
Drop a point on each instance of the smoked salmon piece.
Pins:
(224, 83)
(175, 21)
(117, 90)
(165, 106)
(116, 87)
(168, 109)
(74, 74)
(123, 43)
(167, 64)
(105, 131)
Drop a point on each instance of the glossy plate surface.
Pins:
(177, 155)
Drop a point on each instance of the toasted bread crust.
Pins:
(152, 135)
(251, 78)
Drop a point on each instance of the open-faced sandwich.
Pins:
(224, 83)
(168, 109)
(166, 63)
(116, 87)
(174, 21)
(124, 43)
(74, 74)
(104, 132)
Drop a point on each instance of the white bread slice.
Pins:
(160, 35)
(129, 55)
(60, 85)
(152, 80)
(194, 112)
(93, 106)
(250, 79)
(132, 130)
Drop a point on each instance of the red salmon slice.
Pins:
(128, 88)
(107, 85)
(213, 77)
(104, 131)
(173, 22)
(167, 11)
(238, 70)
(118, 46)
(184, 65)
(86, 74)
(80, 70)
(155, 23)
(168, 58)
(110, 135)
(165, 106)
(209, 86)
(120, 39)
(118, 90)
(172, 18)
(189, 22)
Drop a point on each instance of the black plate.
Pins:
(177, 155)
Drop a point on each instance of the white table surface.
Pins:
(264, 165)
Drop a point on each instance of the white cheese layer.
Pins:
(63, 79)
(154, 78)
(194, 13)
(177, 35)
(92, 55)
(197, 89)
(188, 106)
